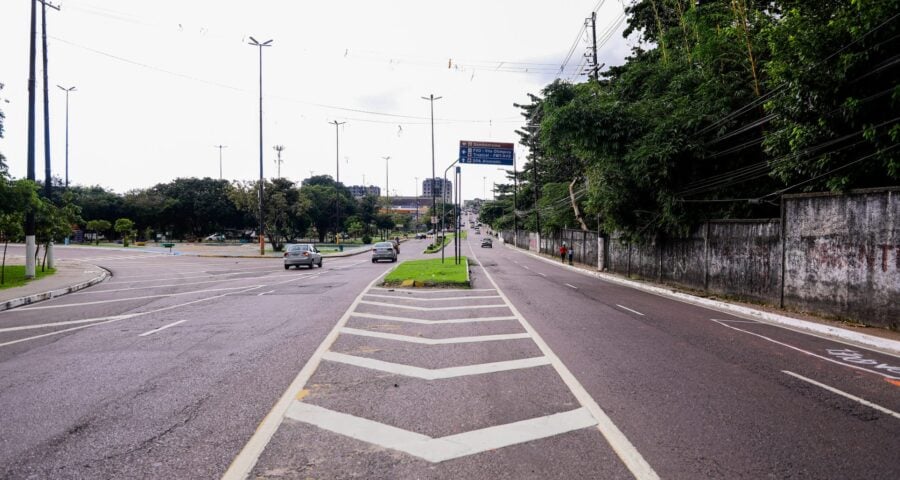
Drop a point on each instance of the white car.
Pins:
(296, 254)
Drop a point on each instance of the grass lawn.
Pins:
(15, 275)
(448, 239)
(431, 273)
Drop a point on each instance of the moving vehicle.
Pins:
(420, 236)
(296, 254)
(384, 251)
(487, 243)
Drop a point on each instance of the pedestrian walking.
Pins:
(562, 252)
(571, 254)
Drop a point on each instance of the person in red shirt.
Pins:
(562, 252)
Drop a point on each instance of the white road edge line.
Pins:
(629, 455)
(433, 341)
(570, 286)
(630, 310)
(845, 394)
(151, 332)
(144, 297)
(437, 450)
(542, 274)
(806, 351)
(263, 293)
(245, 460)
(422, 321)
(435, 373)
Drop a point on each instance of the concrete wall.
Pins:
(842, 255)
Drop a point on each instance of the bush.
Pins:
(366, 240)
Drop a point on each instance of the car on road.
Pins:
(487, 243)
(421, 236)
(296, 254)
(384, 251)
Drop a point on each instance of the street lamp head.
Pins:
(70, 89)
(256, 43)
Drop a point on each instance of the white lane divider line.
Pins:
(431, 309)
(263, 293)
(143, 297)
(807, 352)
(630, 310)
(570, 286)
(438, 373)
(441, 449)
(151, 332)
(67, 322)
(433, 341)
(422, 321)
(625, 450)
(542, 274)
(845, 394)
(436, 299)
(525, 267)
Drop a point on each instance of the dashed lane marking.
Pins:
(433, 341)
(151, 332)
(423, 321)
(444, 448)
(431, 309)
(263, 293)
(630, 310)
(807, 352)
(845, 394)
(113, 300)
(438, 373)
(542, 274)
(570, 286)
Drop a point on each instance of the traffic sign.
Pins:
(486, 153)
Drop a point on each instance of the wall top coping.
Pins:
(856, 191)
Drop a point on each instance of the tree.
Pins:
(98, 227)
(285, 211)
(125, 228)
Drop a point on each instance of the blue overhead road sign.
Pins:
(486, 153)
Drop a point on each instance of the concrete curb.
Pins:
(468, 278)
(38, 297)
(804, 326)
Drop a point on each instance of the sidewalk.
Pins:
(884, 340)
(69, 277)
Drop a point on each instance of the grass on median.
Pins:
(14, 275)
(447, 240)
(430, 273)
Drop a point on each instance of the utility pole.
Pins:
(431, 98)
(337, 150)
(29, 215)
(262, 236)
(67, 90)
(48, 178)
(595, 67)
(278, 161)
(220, 147)
(387, 184)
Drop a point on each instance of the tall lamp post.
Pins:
(387, 184)
(262, 236)
(417, 203)
(431, 98)
(220, 147)
(67, 90)
(337, 178)
(29, 215)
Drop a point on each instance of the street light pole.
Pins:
(337, 151)
(417, 203)
(278, 161)
(431, 98)
(220, 147)
(387, 185)
(262, 236)
(67, 90)
(29, 215)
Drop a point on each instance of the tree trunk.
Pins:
(37, 253)
(3, 267)
(44, 260)
(575, 208)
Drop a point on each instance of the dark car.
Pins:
(384, 251)
(487, 243)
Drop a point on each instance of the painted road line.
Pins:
(438, 299)
(570, 286)
(807, 352)
(437, 373)
(263, 293)
(219, 280)
(438, 290)
(65, 323)
(113, 300)
(525, 267)
(151, 332)
(125, 317)
(433, 341)
(620, 444)
(630, 310)
(845, 394)
(542, 274)
(423, 321)
(742, 321)
(245, 460)
(437, 450)
(431, 309)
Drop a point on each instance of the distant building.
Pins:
(359, 191)
(440, 186)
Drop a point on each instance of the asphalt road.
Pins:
(181, 367)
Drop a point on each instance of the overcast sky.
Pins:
(160, 82)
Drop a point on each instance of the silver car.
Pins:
(296, 254)
(384, 251)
